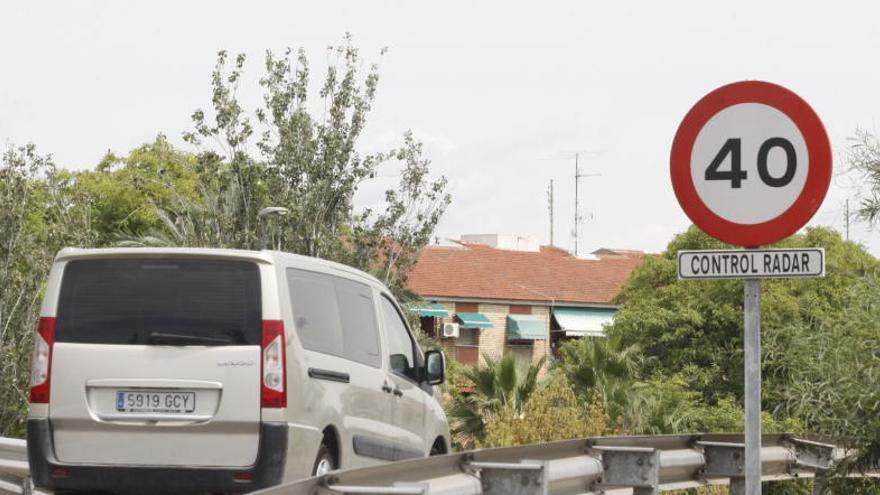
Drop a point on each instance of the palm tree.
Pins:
(499, 383)
(602, 368)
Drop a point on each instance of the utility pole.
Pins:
(550, 206)
(577, 217)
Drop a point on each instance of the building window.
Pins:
(429, 325)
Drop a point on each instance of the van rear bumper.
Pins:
(48, 472)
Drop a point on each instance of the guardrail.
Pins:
(13, 457)
(13, 466)
(608, 465)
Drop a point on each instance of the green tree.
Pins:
(310, 165)
(130, 192)
(552, 412)
(863, 158)
(41, 210)
(694, 328)
(601, 369)
(819, 347)
(502, 382)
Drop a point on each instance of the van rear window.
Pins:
(160, 301)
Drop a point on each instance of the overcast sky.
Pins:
(502, 93)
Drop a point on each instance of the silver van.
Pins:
(216, 370)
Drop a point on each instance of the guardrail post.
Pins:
(726, 460)
(636, 467)
(528, 477)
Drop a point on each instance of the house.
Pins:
(497, 294)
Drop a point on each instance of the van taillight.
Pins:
(41, 361)
(273, 389)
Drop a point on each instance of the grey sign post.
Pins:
(751, 265)
(752, 358)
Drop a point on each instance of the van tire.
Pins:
(324, 461)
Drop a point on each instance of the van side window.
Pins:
(400, 344)
(333, 315)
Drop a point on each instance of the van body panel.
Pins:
(360, 406)
(408, 414)
(157, 359)
(304, 441)
(223, 430)
(408, 409)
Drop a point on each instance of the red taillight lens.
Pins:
(273, 388)
(41, 361)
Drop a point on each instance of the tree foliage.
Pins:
(695, 329)
(863, 158)
(131, 191)
(309, 164)
(505, 382)
(41, 210)
(602, 370)
(819, 347)
(552, 412)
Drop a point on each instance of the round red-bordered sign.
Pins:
(704, 211)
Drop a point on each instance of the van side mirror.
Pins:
(435, 368)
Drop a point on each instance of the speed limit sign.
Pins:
(750, 163)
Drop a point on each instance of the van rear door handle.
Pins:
(398, 392)
(386, 387)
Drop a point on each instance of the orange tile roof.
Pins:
(479, 271)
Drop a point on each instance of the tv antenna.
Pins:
(577, 178)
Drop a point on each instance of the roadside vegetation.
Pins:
(672, 363)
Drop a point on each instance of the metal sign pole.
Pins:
(752, 341)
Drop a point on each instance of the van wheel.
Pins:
(324, 462)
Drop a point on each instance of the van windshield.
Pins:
(160, 302)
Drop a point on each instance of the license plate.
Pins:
(131, 401)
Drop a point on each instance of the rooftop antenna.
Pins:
(577, 177)
(550, 207)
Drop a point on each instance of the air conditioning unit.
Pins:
(450, 330)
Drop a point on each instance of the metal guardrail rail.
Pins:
(13, 457)
(605, 465)
(14, 468)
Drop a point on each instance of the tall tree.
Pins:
(819, 343)
(41, 210)
(310, 164)
(863, 158)
(130, 191)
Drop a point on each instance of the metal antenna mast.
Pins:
(550, 206)
(577, 216)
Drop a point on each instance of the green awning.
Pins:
(583, 322)
(473, 320)
(433, 309)
(526, 327)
